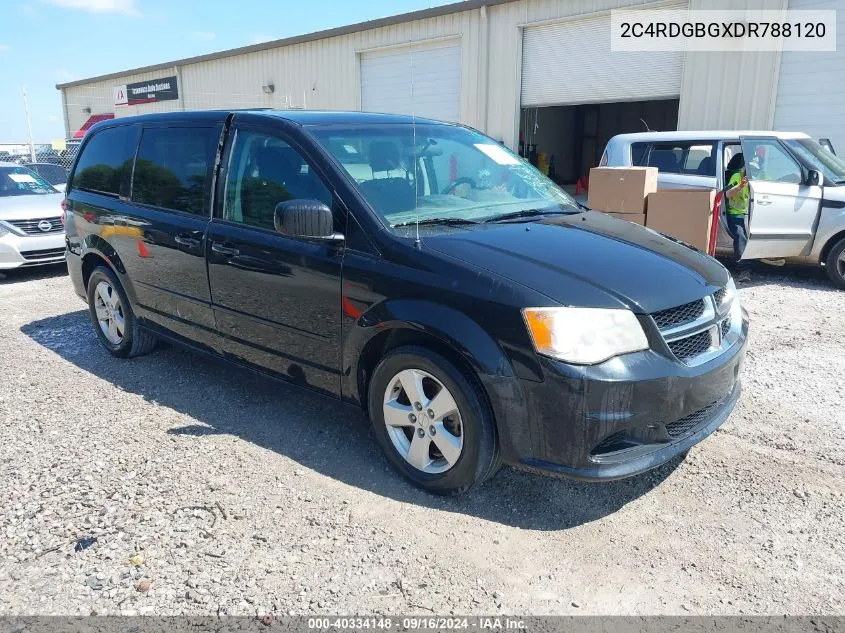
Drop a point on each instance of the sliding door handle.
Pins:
(222, 249)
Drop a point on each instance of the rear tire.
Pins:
(113, 318)
(438, 433)
(835, 264)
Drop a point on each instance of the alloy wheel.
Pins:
(423, 421)
(109, 311)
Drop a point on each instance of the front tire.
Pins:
(113, 318)
(835, 264)
(432, 421)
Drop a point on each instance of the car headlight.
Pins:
(4, 230)
(584, 336)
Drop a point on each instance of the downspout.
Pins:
(484, 49)
(180, 88)
(66, 114)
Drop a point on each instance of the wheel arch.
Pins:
(96, 251)
(447, 331)
(829, 244)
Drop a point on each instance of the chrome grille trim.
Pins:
(30, 227)
(704, 338)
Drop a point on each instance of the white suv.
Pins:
(797, 204)
(31, 229)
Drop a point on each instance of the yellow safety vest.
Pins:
(739, 205)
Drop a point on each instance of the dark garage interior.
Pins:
(565, 141)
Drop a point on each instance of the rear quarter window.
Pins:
(173, 168)
(105, 164)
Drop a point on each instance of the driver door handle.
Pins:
(222, 249)
(186, 240)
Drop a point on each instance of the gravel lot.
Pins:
(236, 494)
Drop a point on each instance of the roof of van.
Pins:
(702, 135)
(301, 117)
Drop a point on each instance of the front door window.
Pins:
(264, 171)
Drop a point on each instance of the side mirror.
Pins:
(306, 218)
(815, 178)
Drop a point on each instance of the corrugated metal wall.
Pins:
(726, 90)
(718, 90)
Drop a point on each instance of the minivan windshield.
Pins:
(20, 181)
(429, 172)
(821, 158)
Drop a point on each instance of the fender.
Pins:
(448, 325)
(831, 223)
(460, 333)
(92, 243)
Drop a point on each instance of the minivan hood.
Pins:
(588, 259)
(31, 207)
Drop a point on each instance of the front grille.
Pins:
(43, 254)
(690, 423)
(725, 326)
(30, 227)
(673, 317)
(692, 346)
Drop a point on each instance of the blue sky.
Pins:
(45, 42)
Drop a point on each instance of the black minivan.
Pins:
(416, 269)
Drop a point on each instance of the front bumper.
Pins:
(31, 250)
(629, 414)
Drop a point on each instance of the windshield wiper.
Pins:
(532, 213)
(442, 221)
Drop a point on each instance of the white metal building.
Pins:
(512, 68)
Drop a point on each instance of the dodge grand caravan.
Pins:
(415, 269)
(796, 208)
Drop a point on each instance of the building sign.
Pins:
(146, 92)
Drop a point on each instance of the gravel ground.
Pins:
(210, 490)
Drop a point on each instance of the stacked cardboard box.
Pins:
(622, 191)
(630, 193)
(685, 214)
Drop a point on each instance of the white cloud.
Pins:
(205, 36)
(127, 7)
(4, 48)
(260, 38)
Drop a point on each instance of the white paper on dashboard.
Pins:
(22, 178)
(497, 153)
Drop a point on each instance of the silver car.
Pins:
(797, 203)
(31, 229)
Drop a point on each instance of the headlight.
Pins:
(584, 336)
(731, 293)
(4, 230)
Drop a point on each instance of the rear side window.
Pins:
(692, 158)
(173, 168)
(105, 165)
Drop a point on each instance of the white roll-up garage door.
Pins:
(811, 86)
(571, 62)
(423, 81)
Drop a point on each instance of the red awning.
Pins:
(94, 118)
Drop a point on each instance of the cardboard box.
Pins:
(685, 214)
(636, 218)
(621, 189)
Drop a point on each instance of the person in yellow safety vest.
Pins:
(736, 211)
